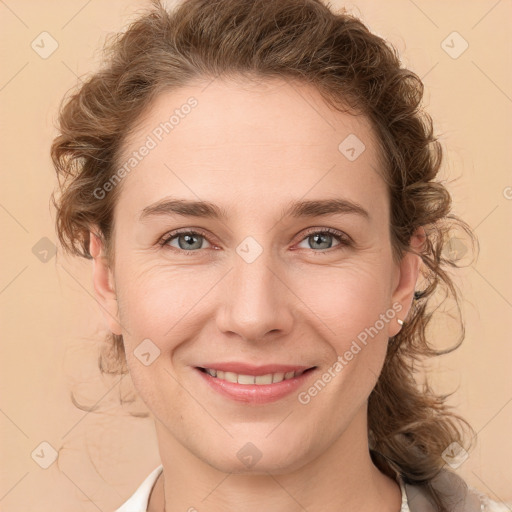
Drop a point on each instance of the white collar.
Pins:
(138, 501)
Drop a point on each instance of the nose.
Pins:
(255, 300)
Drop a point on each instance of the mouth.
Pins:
(254, 379)
(255, 386)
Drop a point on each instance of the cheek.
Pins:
(161, 302)
(348, 301)
(155, 313)
(350, 316)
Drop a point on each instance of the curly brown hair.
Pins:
(356, 72)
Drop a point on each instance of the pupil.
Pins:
(320, 236)
(189, 241)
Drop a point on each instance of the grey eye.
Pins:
(319, 240)
(188, 241)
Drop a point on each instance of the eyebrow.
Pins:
(296, 209)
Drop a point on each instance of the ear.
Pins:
(103, 280)
(407, 277)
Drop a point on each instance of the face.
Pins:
(262, 282)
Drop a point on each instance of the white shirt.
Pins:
(138, 501)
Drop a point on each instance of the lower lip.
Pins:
(255, 393)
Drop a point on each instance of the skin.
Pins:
(252, 148)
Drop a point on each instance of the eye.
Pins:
(188, 241)
(321, 239)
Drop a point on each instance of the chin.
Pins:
(258, 456)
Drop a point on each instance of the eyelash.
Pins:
(344, 240)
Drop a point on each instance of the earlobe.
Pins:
(103, 281)
(408, 276)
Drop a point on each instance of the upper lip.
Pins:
(249, 369)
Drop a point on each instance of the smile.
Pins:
(254, 389)
(269, 378)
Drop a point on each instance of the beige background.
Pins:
(51, 323)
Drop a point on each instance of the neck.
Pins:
(342, 474)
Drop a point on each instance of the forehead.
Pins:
(271, 111)
(260, 140)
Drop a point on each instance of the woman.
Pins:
(255, 184)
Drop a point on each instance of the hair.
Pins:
(355, 71)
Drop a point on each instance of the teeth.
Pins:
(269, 378)
(263, 379)
(230, 376)
(277, 377)
(247, 379)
